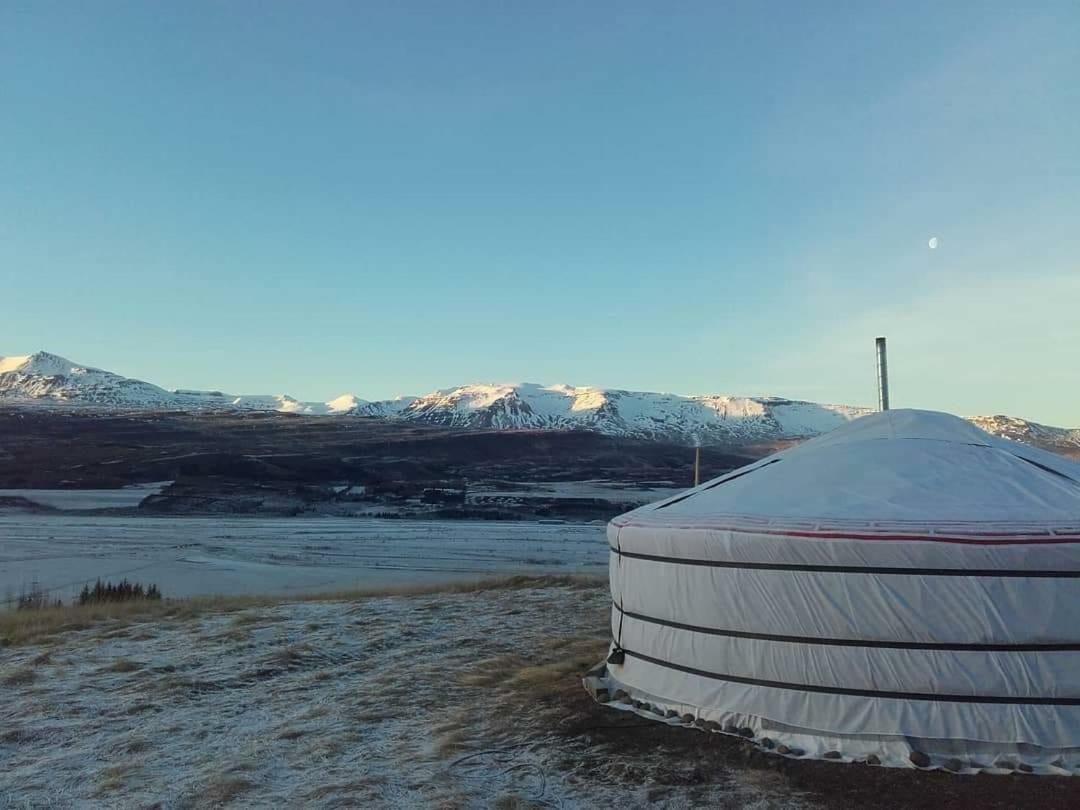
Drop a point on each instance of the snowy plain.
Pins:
(207, 556)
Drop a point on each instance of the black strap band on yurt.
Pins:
(1017, 700)
(990, 573)
(1006, 647)
(617, 656)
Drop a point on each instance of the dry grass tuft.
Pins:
(452, 742)
(124, 665)
(527, 693)
(361, 787)
(223, 789)
(136, 745)
(238, 634)
(574, 658)
(19, 677)
(35, 626)
(26, 626)
(139, 708)
(290, 656)
(511, 801)
(17, 736)
(562, 660)
(113, 778)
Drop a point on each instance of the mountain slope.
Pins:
(48, 380)
(1059, 440)
(44, 377)
(615, 412)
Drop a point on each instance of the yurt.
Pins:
(902, 591)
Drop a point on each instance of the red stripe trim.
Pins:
(979, 539)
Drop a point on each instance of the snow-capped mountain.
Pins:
(44, 379)
(637, 414)
(48, 379)
(1021, 430)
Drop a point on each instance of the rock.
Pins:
(953, 765)
(688, 718)
(657, 795)
(597, 672)
(796, 752)
(765, 742)
(699, 723)
(746, 731)
(919, 759)
(671, 713)
(1005, 763)
(832, 755)
(872, 760)
(620, 696)
(647, 707)
(1023, 766)
(731, 728)
(783, 749)
(639, 704)
(602, 696)
(712, 725)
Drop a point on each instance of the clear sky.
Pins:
(386, 198)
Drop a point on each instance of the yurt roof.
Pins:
(895, 467)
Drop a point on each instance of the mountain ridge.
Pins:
(48, 380)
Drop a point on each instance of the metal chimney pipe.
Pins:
(882, 375)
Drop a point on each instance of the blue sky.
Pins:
(386, 198)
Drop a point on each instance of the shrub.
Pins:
(122, 591)
(37, 598)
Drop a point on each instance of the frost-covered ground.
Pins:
(458, 699)
(201, 556)
(445, 700)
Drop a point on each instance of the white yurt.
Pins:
(903, 591)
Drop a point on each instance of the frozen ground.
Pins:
(447, 700)
(200, 556)
(452, 700)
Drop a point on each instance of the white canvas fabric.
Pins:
(906, 583)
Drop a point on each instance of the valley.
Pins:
(291, 465)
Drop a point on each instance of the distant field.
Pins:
(44, 449)
(202, 556)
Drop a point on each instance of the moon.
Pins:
(933, 243)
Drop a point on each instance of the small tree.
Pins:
(122, 591)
